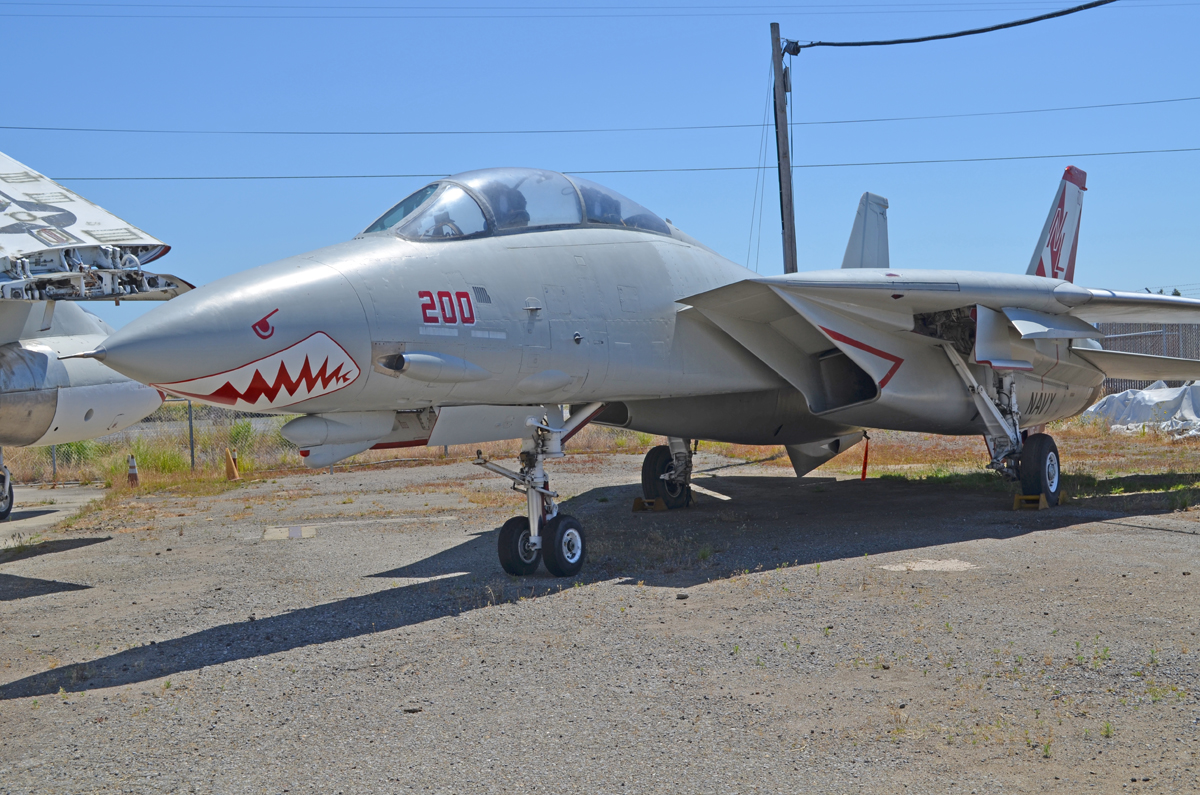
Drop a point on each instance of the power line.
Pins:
(546, 12)
(587, 130)
(958, 34)
(962, 4)
(646, 170)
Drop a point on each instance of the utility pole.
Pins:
(786, 209)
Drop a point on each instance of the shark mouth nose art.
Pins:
(314, 366)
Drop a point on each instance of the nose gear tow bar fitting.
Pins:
(545, 441)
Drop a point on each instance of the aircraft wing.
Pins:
(776, 318)
(57, 245)
(1111, 306)
(1139, 366)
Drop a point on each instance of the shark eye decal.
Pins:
(263, 328)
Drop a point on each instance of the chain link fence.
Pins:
(1178, 340)
(179, 437)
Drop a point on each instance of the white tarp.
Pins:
(1173, 410)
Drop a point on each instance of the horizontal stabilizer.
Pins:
(868, 245)
(1139, 366)
(56, 245)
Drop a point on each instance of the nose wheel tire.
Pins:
(516, 556)
(658, 462)
(563, 546)
(1039, 468)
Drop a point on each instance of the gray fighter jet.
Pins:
(56, 249)
(519, 303)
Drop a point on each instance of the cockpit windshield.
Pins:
(403, 209)
(452, 213)
(507, 200)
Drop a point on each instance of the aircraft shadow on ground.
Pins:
(17, 516)
(814, 530)
(13, 587)
(47, 547)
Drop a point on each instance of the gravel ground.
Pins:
(754, 644)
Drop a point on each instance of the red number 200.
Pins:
(446, 308)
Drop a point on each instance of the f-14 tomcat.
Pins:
(57, 249)
(519, 303)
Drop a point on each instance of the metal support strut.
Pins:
(544, 441)
(1001, 416)
(681, 472)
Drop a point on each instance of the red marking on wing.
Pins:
(862, 346)
(259, 388)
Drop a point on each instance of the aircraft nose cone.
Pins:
(268, 337)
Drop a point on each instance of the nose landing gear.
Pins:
(543, 534)
(518, 556)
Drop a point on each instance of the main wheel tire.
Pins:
(1039, 468)
(516, 557)
(563, 546)
(658, 462)
(7, 505)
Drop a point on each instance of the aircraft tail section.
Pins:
(868, 245)
(1054, 256)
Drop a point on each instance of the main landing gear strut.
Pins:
(1030, 458)
(543, 534)
(667, 473)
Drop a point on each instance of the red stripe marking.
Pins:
(579, 427)
(394, 445)
(862, 346)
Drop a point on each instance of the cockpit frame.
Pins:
(492, 225)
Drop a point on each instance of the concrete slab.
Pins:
(41, 507)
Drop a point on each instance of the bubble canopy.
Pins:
(511, 200)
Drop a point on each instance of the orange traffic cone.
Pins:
(866, 453)
(231, 467)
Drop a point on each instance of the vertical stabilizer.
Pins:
(1054, 256)
(868, 246)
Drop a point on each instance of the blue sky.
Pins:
(525, 65)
